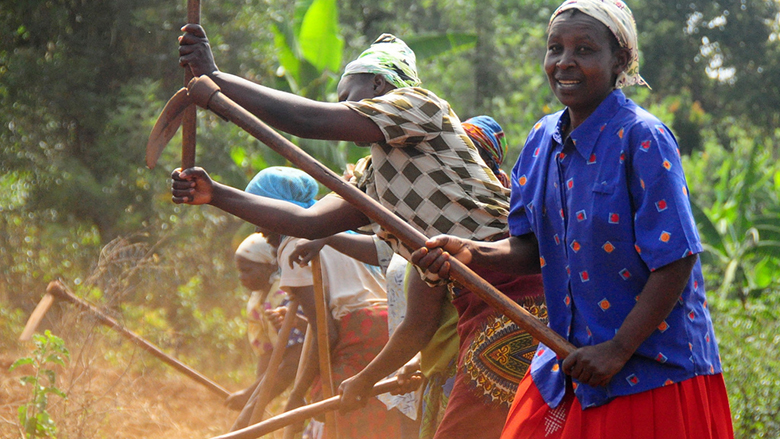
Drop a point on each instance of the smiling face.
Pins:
(582, 63)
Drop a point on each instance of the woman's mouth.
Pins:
(568, 82)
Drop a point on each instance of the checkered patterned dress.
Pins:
(427, 170)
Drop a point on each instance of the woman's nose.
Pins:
(566, 59)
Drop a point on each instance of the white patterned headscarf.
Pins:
(390, 57)
(618, 18)
(256, 249)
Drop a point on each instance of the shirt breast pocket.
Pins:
(604, 187)
(613, 220)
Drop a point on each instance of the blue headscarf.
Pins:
(284, 183)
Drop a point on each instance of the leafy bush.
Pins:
(749, 337)
(34, 418)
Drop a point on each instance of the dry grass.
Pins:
(107, 402)
(115, 390)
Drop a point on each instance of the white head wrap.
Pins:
(256, 249)
(618, 18)
(390, 57)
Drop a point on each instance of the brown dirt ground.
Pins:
(105, 402)
(142, 400)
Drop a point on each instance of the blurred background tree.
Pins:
(81, 84)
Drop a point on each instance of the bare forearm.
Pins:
(360, 247)
(514, 255)
(284, 111)
(278, 216)
(307, 374)
(422, 320)
(287, 369)
(404, 344)
(656, 301)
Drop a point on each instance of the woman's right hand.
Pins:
(237, 400)
(195, 51)
(276, 316)
(191, 186)
(305, 250)
(435, 256)
(355, 393)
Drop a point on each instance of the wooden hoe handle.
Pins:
(206, 94)
(301, 414)
(59, 290)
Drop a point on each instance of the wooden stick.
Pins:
(308, 339)
(254, 408)
(190, 118)
(36, 316)
(207, 94)
(323, 343)
(301, 414)
(58, 289)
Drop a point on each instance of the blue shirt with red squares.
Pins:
(608, 206)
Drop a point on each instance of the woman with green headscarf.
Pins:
(423, 168)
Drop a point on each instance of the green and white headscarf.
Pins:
(390, 57)
(618, 18)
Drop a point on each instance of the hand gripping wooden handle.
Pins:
(206, 94)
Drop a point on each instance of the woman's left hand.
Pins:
(596, 365)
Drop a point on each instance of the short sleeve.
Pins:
(384, 253)
(519, 224)
(295, 276)
(406, 116)
(664, 225)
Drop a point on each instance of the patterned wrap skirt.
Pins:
(493, 357)
(362, 335)
(436, 395)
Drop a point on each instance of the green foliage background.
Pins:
(81, 84)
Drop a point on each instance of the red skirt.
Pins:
(697, 408)
(362, 335)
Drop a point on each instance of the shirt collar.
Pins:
(584, 136)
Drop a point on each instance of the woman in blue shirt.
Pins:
(600, 203)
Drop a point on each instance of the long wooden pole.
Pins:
(59, 290)
(308, 340)
(301, 414)
(189, 119)
(323, 343)
(207, 95)
(255, 407)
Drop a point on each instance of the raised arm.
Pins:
(287, 112)
(328, 216)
